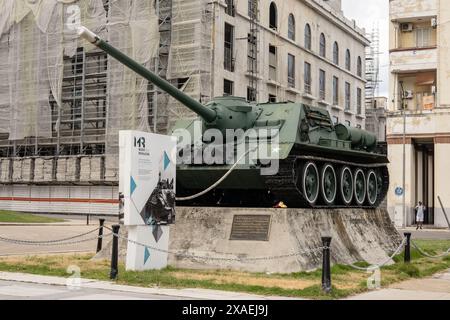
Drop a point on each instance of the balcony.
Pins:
(417, 91)
(413, 59)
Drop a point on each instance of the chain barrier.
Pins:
(46, 242)
(428, 255)
(379, 266)
(237, 259)
(58, 244)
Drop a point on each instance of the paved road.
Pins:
(428, 234)
(11, 290)
(44, 233)
(34, 287)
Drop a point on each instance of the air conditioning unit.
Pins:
(434, 23)
(408, 94)
(406, 27)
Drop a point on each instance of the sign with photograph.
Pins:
(147, 178)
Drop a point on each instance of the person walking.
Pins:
(420, 215)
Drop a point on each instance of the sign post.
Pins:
(147, 185)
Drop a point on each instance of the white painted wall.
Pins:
(59, 199)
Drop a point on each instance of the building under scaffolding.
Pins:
(63, 102)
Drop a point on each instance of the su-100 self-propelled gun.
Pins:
(320, 164)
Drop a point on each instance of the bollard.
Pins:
(115, 253)
(87, 220)
(100, 235)
(408, 247)
(326, 265)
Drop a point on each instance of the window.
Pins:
(291, 27)
(423, 37)
(228, 87)
(348, 60)
(336, 53)
(273, 16)
(322, 85)
(251, 53)
(291, 71)
(347, 96)
(359, 67)
(308, 36)
(272, 98)
(358, 126)
(230, 9)
(229, 48)
(335, 91)
(323, 46)
(251, 94)
(273, 63)
(359, 100)
(307, 78)
(348, 123)
(252, 9)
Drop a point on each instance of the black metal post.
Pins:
(100, 235)
(115, 253)
(408, 247)
(326, 265)
(87, 220)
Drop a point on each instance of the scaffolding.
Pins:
(373, 67)
(63, 101)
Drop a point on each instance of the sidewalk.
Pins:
(22, 286)
(433, 288)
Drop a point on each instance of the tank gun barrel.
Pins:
(207, 114)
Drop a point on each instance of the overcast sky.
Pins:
(368, 14)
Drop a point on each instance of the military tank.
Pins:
(320, 164)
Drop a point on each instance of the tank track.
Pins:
(284, 188)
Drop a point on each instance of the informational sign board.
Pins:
(147, 178)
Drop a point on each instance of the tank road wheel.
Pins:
(310, 183)
(346, 185)
(360, 187)
(379, 184)
(328, 184)
(372, 188)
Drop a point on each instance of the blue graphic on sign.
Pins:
(133, 185)
(166, 160)
(146, 255)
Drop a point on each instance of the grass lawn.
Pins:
(346, 281)
(20, 217)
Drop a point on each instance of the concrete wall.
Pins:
(357, 235)
(315, 13)
(441, 183)
(395, 203)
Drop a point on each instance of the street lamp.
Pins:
(404, 153)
